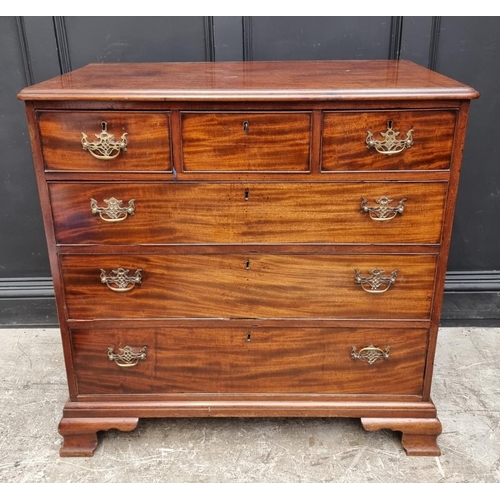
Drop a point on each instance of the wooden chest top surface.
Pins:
(255, 80)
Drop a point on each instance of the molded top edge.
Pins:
(254, 80)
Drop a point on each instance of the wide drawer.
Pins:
(253, 361)
(140, 142)
(248, 286)
(346, 136)
(185, 213)
(240, 142)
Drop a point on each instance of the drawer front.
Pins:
(345, 140)
(280, 213)
(144, 147)
(248, 286)
(246, 142)
(253, 361)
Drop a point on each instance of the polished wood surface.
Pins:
(148, 140)
(249, 229)
(344, 140)
(245, 141)
(80, 434)
(231, 213)
(249, 81)
(273, 286)
(419, 434)
(258, 360)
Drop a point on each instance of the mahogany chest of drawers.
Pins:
(249, 239)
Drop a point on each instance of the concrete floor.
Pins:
(466, 391)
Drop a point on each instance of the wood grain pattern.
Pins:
(279, 265)
(344, 136)
(148, 140)
(251, 81)
(279, 213)
(80, 434)
(250, 405)
(222, 360)
(246, 141)
(419, 434)
(275, 286)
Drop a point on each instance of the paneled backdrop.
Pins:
(33, 49)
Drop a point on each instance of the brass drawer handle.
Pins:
(118, 280)
(382, 211)
(127, 356)
(106, 148)
(376, 283)
(370, 354)
(391, 144)
(114, 212)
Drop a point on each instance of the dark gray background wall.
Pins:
(33, 49)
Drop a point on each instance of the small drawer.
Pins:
(257, 360)
(388, 140)
(246, 142)
(390, 286)
(105, 141)
(232, 213)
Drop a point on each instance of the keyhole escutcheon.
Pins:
(247, 194)
(246, 125)
(247, 264)
(249, 337)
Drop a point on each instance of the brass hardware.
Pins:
(246, 125)
(113, 212)
(390, 145)
(383, 211)
(128, 356)
(247, 194)
(106, 148)
(249, 337)
(376, 282)
(370, 354)
(247, 264)
(118, 280)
